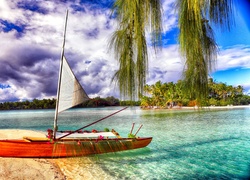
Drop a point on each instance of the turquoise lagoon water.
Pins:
(187, 144)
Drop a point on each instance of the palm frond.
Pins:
(197, 42)
(220, 12)
(129, 42)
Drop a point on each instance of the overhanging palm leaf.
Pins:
(129, 42)
(197, 42)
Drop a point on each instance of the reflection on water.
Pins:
(187, 144)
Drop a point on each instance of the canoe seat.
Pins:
(40, 139)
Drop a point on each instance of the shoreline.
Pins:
(198, 108)
(218, 107)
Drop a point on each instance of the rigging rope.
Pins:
(91, 124)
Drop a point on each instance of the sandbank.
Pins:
(218, 107)
(199, 108)
(27, 168)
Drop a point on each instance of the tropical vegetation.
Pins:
(51, 103)
(168, 95)
(35, 104)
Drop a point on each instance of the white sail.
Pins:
(71, 92)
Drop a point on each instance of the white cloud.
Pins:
(6, 7)
(169, 15)
(237, 56)
(165, 66)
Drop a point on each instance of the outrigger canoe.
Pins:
(32, 147)
(69, 94)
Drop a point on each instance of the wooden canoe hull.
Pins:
(68, 148)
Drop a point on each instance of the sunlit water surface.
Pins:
(187, 144)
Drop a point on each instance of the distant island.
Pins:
(51, 103)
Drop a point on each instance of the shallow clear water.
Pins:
(187, 144)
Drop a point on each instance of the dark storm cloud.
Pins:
(48, 80)
(28, 56)
(32, 68)
(25, 56)
(10, 72)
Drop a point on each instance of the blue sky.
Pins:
(31, 39)
(234, 60)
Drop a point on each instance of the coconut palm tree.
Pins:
(222, 90)
(239, 90)
(197, 43)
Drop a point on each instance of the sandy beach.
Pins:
(27, 168)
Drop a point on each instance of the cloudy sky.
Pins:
(31, 35)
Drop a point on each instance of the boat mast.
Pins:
(59, 78)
